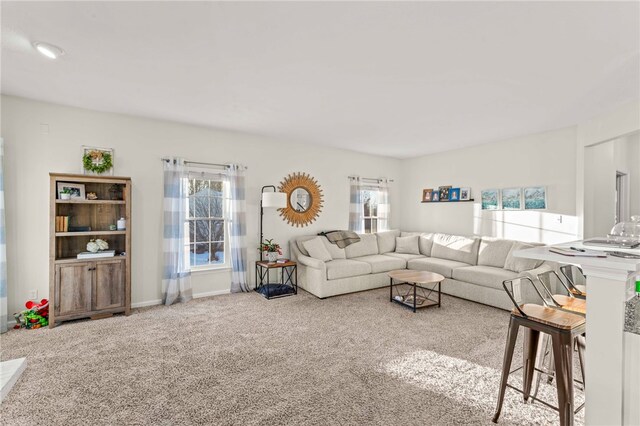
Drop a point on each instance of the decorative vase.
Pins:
(272, 256)
(65, 196)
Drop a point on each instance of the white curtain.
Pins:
(3, 248)
(237, 216)
(356, 206)
(383, 205)
(176, 278)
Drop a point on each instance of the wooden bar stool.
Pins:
(562, 326)
(576, 281)
(567, 302)
(550, 280)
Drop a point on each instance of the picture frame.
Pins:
(454, 194)
(444, 192)
(102, 151)
(435, 196)
(77, 190)
(426, 195)
(511, 199)
(465, 194)
(490, 199)
(535, 198)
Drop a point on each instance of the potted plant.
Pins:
(271, 250)
(65, 194)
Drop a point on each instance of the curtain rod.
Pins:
(200, 163)
(370, 179)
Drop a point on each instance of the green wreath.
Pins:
(100, 167)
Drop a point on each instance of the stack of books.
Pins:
(98, 254)
(62, 223)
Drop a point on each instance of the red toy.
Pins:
(41, 308)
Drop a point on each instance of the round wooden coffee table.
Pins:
(427, 282)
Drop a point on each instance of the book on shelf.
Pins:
(577, 252)
(282, 260)
(62, 223)
(99, 254)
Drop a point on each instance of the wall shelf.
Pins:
(448, 202)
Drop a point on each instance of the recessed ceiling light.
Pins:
(48, 50)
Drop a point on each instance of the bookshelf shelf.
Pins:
(90, 202)
(86, 233)
(76, 260)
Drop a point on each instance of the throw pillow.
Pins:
(408, 245)
(520, 264)
(317, 250)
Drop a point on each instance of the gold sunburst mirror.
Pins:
(304, 199)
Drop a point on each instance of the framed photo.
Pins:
(465, 194)
(97, 161)
(426, 194)
(435, 196)
(511, 198)
(444, 192)
(490, 199)
(454, 194)
(535, 198)
(75, 190)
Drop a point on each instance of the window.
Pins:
(205, 222)
(370, 204)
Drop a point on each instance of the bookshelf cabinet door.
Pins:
(108, 291)
(73, 288)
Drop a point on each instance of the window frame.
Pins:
(371, 218)
(216, 176)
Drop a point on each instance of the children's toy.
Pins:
(36, 315)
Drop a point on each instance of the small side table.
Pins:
(288, 285)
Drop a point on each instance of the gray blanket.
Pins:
(341, 238)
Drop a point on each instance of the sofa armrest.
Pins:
(311, 262)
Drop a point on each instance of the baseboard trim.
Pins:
(195, 296)
(211, 293)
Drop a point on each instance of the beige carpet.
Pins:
(241, 359)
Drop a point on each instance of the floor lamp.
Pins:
(273, 200)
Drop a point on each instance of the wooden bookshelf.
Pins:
(80, 288)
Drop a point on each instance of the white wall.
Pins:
(32, 152)
(543, 159)
(602, 161)
(617, 123)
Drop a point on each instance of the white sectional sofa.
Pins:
(474, 268)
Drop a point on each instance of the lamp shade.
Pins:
(276, 200)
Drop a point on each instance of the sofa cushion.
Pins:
(453, 247)
(300, 243)
(440, 266)
(367, 245)
(405, 256)
(345, 268)
(387, 241)
(333, 249)
(316, 249)
(486, 276)
(425, 242)
(493, 251)
(407, 245)
(520, 264)
(382, 263)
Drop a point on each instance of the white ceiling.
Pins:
(395, 79)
